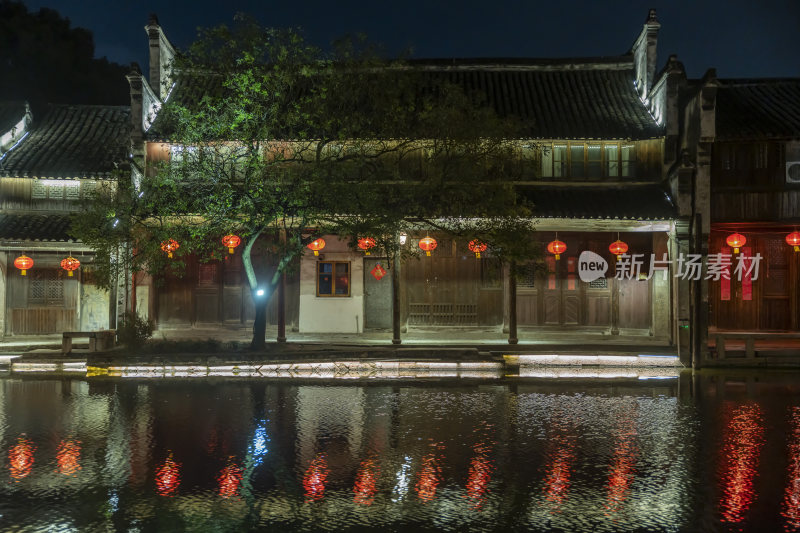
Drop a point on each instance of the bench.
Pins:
(749, 341)
(98, 340)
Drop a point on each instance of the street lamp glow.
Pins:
(260, 292)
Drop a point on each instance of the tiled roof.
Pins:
(72, 141)
(758, 109)
(558, 98)
(10, 114)
(629, 202)
(43, 228)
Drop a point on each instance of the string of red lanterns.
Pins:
(477, 247)
(365, 243)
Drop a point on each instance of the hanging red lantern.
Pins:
(23, 263)
(69, 264)
(316, 245)
(618, 248)
(477, 247)
(365, 243)
(557, 248)
(793, 239)
(231, 242)
(170, 246)
(736, 241)
(428, 244)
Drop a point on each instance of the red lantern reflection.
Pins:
(743, 438)
(229, 480)
(559, 471)
(623, 466)
(429, 478)
(20, 458)
(68, 457)
(479, 476)
(791, 495)
(366, 482)
(168, 477)
(315, 477)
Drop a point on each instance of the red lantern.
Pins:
(618, 248)
(170, 246)
(736, 241)
(231, 242)
(557, 248)
(793, 239)
(428, 244)
(365, 243)
(317, 245)
(69, 264)
(23, 263)
(477, 247)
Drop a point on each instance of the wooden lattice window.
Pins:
(46, 287)
(526, 276)
(207, 274)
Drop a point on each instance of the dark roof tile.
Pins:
(758, 109)
(43, 228)
(72, 141)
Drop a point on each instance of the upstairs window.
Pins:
(588, 160)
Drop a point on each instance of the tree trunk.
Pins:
(260, 322)
(512, 303)
(395, 302)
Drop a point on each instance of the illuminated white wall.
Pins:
(331, 314)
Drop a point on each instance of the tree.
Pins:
(46, 60)
(278, 142)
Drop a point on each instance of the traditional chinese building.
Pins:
(48, 163)
(603, 140)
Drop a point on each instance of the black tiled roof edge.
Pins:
(751, 109)
(10, 114)
(619, 202)
(36, 228)
(72, 141)
(585, 98)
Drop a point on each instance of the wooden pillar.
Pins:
(395, 301)
(282, 308)
(512, 303)
(614, 305)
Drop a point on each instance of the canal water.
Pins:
(704, 453)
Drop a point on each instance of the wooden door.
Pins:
(774, 281)
(377, 295)
(442, 289)
(561, 291)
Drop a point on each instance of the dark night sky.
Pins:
(740, 38)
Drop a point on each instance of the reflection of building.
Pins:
(48, 163)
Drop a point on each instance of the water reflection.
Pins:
(743, 439)
(69, 457)
(221, 456)
(791, 499)
(20, 458)
(623, 465)
(168, 476)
